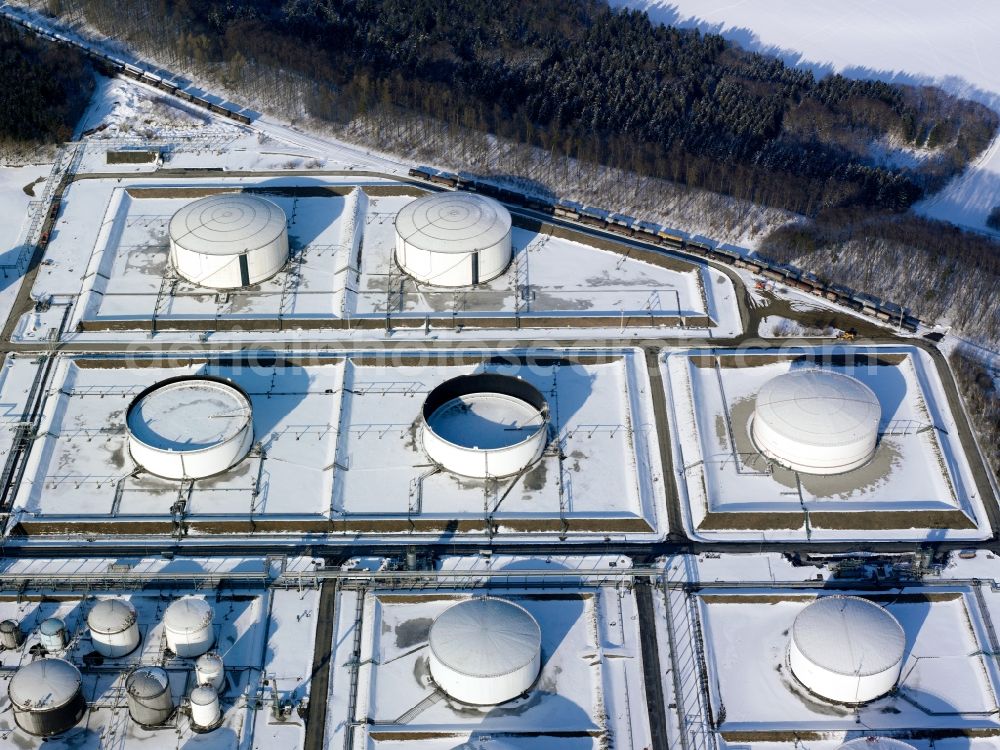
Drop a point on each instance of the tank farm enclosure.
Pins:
(286, 253)
(481, 443)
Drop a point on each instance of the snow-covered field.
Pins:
(732, 491)
(906, 41)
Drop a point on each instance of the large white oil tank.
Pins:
(147, 692)
(210, 670)
(485, 425)
(485, 651)
(876, 743)
(52, 634)
(47, 697)
(846, 649)
(187, 624)
(190, 427)
(453, 239)
(11, 635)
(206, 713)
(228, 241)
(816, 421)
(114, 627)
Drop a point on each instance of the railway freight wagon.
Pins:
(622, 224)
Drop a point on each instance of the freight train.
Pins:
(622, 224)
(112, 66)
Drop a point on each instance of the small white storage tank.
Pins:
(228, 241)
(147, 691)
(485, 425)
(876, 743)
(11, 635)
(453, 239)
(52, 634)
(846, 649)
(47, 697)
(206, 713)
(816, 421)
(209, 670)
(190, 427)
(187, 624)
(114, 627)
(485, 651)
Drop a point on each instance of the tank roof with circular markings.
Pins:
(818, 407)
(227, 224)
(44, 684)
(453, 222)
(848, 635)
(485, 637)
(188, 413)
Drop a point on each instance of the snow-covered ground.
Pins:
(905, 41)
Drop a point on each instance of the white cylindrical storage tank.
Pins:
(485, 425)
(453, 239)
(47, 698)
(209, 670)
(190, 427)
(485, 651)
(205, 710)
(876, 743)
(147, 691)
(228, 241)
(114, 627)
(816, 421)
(846, 649)
(11, 635)
(52, 634)
(187, 624)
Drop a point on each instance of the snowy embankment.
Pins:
(915, 42)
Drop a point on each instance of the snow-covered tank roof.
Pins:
(485, 637)
(204, 695)
(189, 614)
(147, 682)
(848, 635)
(44, 684)
(876, 743)
(453, 222)
(188, 413)
(111, 616)
(818, 408)
(51, 626)
(227, 224)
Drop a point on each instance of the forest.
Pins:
(43, 92)
(578, 80)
